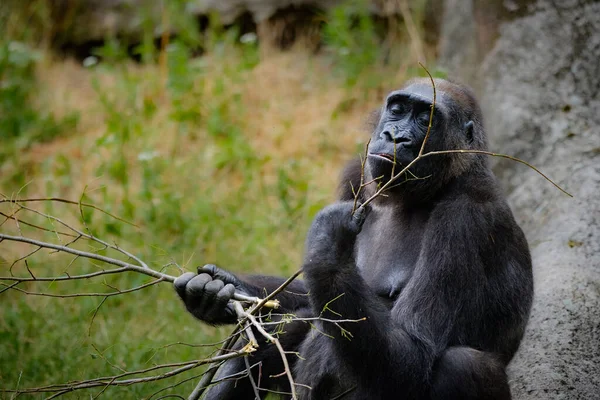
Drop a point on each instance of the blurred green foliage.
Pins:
(22, 122)
(351, 35)
(23, 117)
(174, 157)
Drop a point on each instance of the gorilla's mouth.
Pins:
(384, 156)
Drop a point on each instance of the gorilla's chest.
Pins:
(387, 250)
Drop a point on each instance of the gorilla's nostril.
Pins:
(402, 139)
(395, 135)
(387, 135)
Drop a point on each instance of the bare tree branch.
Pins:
(242, 313)
(116, 293)
(60, 200)
(132, 264)
(212, 370)
(116, 380)
(124, 267)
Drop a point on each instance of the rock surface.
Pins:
(535, 65)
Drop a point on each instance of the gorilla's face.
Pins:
(402, 127)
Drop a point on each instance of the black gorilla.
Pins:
(438, 267)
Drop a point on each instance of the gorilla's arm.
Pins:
(338, 291)
(350, 180)
(457, 284)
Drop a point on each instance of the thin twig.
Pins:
(94, 317)
(433, 153)
(88, 236)
(311, 319)
(264, 302)
(64, 278)
(356, 193)
(41, 228)
(212, 370)
(124, 266)
(251, 378)
(93, 256)
(430, 113)
(117, 381)
(60, 200)
(64, 296)
(273, 340)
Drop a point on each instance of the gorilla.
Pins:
(437, 267)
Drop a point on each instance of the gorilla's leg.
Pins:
(265, 362)
(463, 373)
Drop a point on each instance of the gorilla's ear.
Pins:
(469, 131)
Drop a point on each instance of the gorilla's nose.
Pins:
(396, 137)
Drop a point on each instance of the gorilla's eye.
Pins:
(397, 108)
(423, 117)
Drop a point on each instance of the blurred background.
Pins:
(219, 128)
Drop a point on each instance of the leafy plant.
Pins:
(351, 36)
(19, 117)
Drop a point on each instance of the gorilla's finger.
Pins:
(219, 302)
(195, 287)
(222, 302)
(210, 269)
(181, 282)
(211, 289)
(359, 216)
(221, 274)
(227, 292)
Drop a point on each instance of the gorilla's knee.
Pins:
(465, 373)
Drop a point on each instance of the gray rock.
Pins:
(456, 47)
(538, 79)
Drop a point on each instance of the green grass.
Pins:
(224, 158)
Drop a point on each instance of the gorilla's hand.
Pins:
(331, 238)
(207, 294)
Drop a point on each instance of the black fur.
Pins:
(439, 269)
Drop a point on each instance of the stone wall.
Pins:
(536, 68)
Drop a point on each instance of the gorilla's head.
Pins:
(402, 127)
